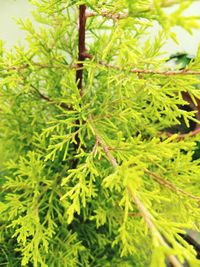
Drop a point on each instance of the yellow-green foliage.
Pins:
(89, 178)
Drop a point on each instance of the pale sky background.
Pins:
(10, 32)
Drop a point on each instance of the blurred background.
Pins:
(11, 33)
(11, 9)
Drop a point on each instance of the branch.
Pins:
(118, 16)
(83, 55)
(102, 143)
(156, 72)
(81, 47)
(166, 73)
(18, 68)
(144, 212)
(148, 219)
(107, 15)
(185, 135)
(169, 185)
(46, 98)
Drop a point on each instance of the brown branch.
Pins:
(118, 16)
(83, 55)
(192, 133)
(25, 66)
(102, 143)
(134, 214)
(143, 211)
(156, 72)
(166, 73)
(170, 185)
(46, 98)
(148, 219)
(185, 135)
(107, 15)
(81, 47)
(94, 150)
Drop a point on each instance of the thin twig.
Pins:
(119, 16)
(94, 150)
(166, 73)
(156, 72)
(102, 143)
(169, 185)
(107, 15)
(185, 135)
(25, 66)
(46, 98)
(148, 219)
(144, 212)
(79, 68)
(134, 214)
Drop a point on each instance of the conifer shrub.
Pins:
(89, 176)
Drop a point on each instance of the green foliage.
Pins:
(88, 175)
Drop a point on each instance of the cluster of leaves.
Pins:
(89, 179)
